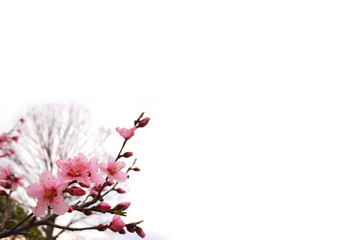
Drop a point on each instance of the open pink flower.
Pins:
(48, 192)
(117, 224)
(113, 170)
(126, 133)
(76, 168)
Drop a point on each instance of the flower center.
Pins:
(50, 193)
(112, 170)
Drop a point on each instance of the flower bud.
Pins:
(22, 120)
(122, 231)
(144, 122)
(102, 227)
(117, 224)
(15, 138)
(102, 207)
(127, 154)
(76, 191)
(120, 190)
(5, 184)
(136, 169)
(88, 212)
(122, 206)
(70, 210)
(84, 185)
(140, 232)
(130, 227)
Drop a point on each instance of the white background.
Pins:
(243, 99)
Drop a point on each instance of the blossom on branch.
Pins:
(126, 133)
(48, 192)
(113, 170)
(9, 180)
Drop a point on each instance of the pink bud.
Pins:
(103, 207)
(140, 232)
(70, 210)
(76, 191)
(144, 122)
(117, 224)
(127, 154)
(122, 206)
(120, 190)
(22, 120)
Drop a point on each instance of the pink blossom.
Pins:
(9, 180)
(76, 168)
(6, 173)
(48, 192)
(117, 224)
(126, 133)
(113, 170)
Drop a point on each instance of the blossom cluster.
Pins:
(6, 140)
(78, 176)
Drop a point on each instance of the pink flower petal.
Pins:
(97, 178)
(46, 179)
(111, 162)
(103, 168)
(120, 176)
(59, 206)
(120, 165)
(41, 207)
(35, 191)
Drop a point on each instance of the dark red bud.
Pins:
(127, 154)
(15, 138)
(102, 227)
(120, 190)
(84, 185)
(122, 231)
(140, 232)
(70, 210)
(109, 183)
(130, 228)
(88, 212)
(144, 122)
(3, 193)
